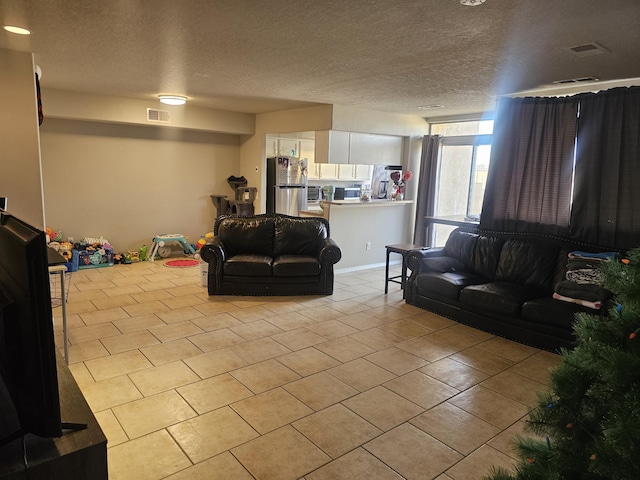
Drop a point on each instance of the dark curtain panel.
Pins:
(530, 174)
(606, 208)
(428, 181)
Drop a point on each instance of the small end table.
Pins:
(402, 249)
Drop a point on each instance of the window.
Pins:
(463, 165)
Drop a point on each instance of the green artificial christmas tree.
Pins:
(588, 425)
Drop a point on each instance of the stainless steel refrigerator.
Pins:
(286, 185)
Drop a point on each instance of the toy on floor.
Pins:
(201, 242)
(159, 245)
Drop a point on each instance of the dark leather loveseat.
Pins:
(270, 254)
(499, 283)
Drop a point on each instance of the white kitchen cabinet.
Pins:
(313, 170)
(345, 172)
(327, 171)
(288, 147)
(333, 146)
(360, 173)
(307, 150)
(272, 146)
(363, 172)
(370, 149)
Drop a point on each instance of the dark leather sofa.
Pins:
(500, 283)
(270, 254)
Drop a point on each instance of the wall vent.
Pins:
(577, 80)
(588, 49)
(430, 107)
(160, 116)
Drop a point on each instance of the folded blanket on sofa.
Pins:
(580, 263)
(585, 276)
(602, 256)
(584, 303)
(588, 292)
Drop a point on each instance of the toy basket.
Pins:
(56, 288)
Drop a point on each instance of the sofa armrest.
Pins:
(415, 258)
(213, 251)
(330, 252)
(214, 254)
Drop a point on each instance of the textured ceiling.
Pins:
(264, 55)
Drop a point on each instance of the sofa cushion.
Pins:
(248, 266)
(295, 266)
(247, 235)
(460, 245)
(446, 284)
(499, 297)
(547, 311)
(299, 236)
(527, 262)
(486, 255)
(443, 264)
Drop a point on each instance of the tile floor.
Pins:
(354, 385)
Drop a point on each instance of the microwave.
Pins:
(313, 194)
(347, 193)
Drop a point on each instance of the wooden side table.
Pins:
(402, 249)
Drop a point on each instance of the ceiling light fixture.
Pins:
(172, 99)
(17, 30)
(472, 3)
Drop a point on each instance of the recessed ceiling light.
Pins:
(430, 107)
(472, 3)
(172, 99)
(17, 30)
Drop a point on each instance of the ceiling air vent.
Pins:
(588, 49)
(577, 80)
(155, 115)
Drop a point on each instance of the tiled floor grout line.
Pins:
(379, 307)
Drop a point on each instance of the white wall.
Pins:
(352, 227)
(20, 179)
(129, 183)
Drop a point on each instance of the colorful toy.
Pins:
(161, 240)
(53, 236)
(66, 250)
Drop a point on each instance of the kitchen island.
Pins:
(363, 229)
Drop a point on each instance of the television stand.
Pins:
(80, 453)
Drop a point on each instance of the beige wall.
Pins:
(103, 108)
(20, 179)
(108, 172)
(350, 119)
(129, 183)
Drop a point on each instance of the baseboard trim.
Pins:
(365, 267)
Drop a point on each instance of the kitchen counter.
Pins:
(371, 203)
(362, 229)
(325, 208)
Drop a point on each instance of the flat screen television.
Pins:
(28, 374)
